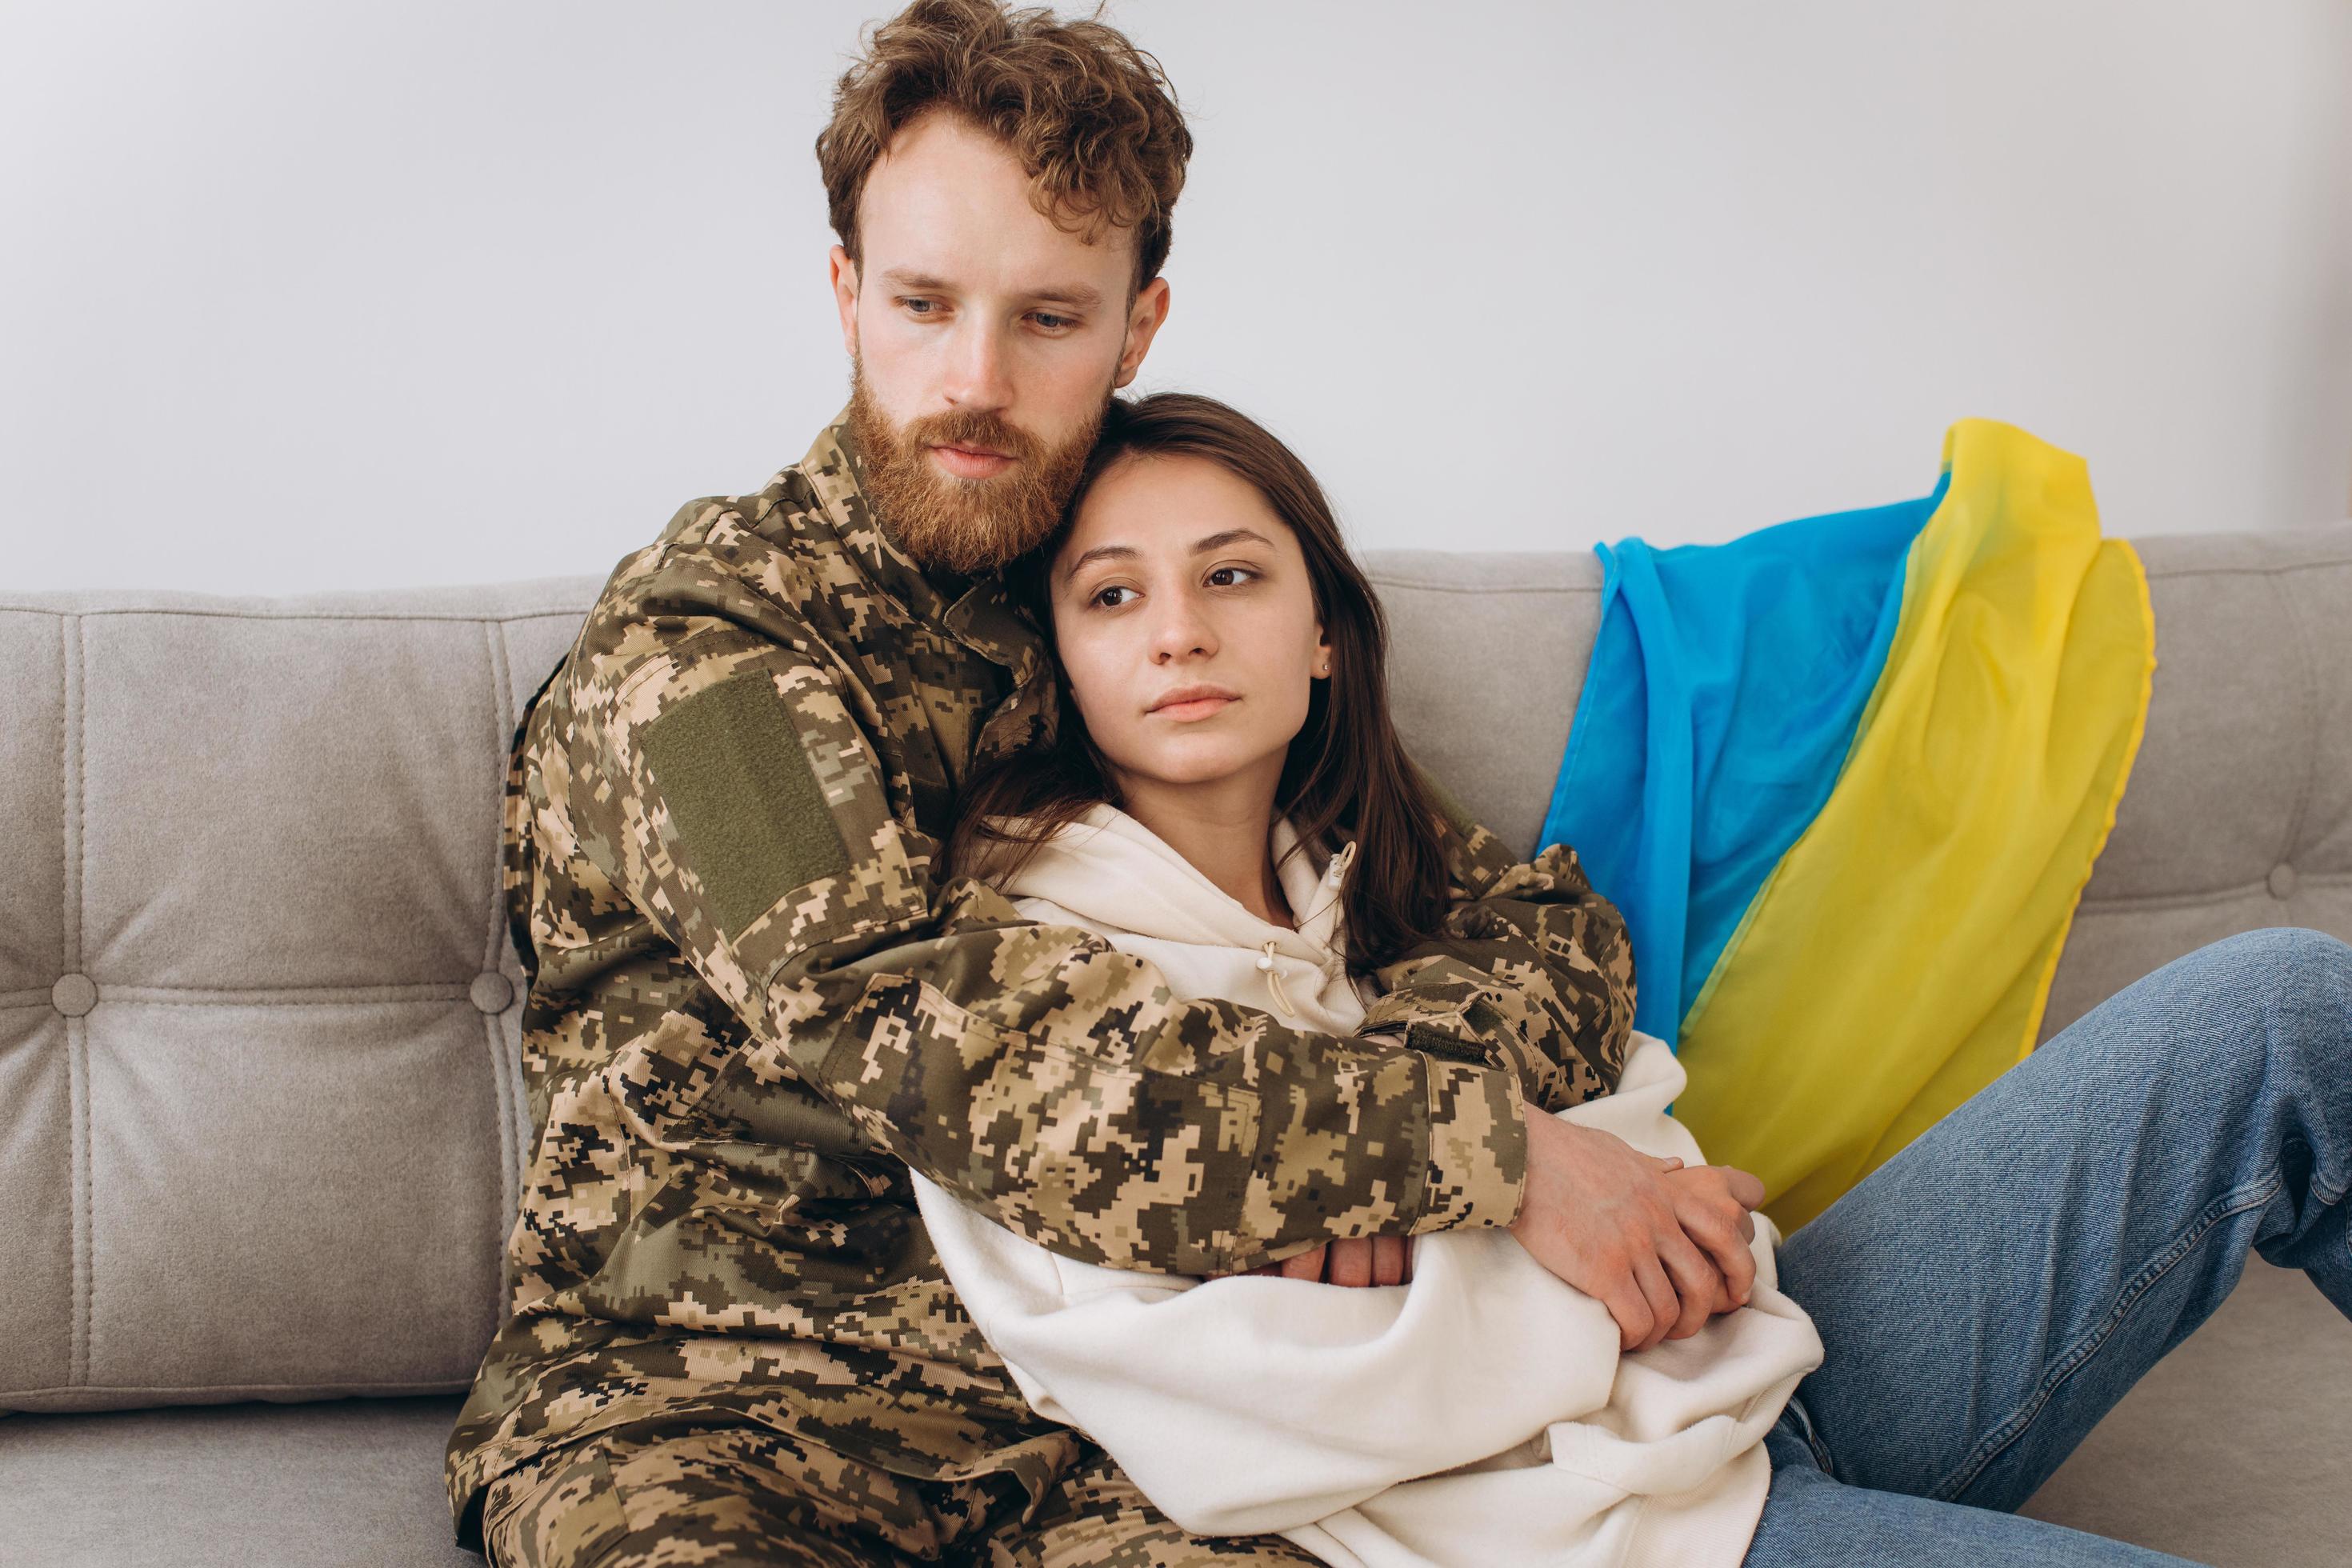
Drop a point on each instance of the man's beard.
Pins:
(964, 525)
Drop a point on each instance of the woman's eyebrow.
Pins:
(1230, 536)
(1201, 547)
(1100, 552)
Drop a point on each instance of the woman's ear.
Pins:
(1322, 652)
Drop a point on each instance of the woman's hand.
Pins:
(1359, 1260)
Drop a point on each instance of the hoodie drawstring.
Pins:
(1272, 980)
(1333, 874)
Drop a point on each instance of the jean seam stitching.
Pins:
(2331, 1194)
(1820, 1449)
(1805, 1429)
(2228, 1205)
(2328, 1193)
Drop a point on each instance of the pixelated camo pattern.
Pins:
(746, 1022)
(742, 1495)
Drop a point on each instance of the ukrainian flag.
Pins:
(1846, 778)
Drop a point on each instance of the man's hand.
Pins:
(1663, 1247)
(1608, 1219)
(1716, 1204)
(1360, 1260)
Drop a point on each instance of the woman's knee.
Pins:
(2222, 1019)
(2300, 946)
(2297, 966)
(2298, 982)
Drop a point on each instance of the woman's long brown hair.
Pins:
(1346, 773)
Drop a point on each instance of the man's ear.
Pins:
(1143, 321)
(843, 272)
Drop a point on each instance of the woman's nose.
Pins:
(1182, 632)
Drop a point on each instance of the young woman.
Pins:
(1226, 796)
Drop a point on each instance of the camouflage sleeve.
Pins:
(1035, 1072)
(1532, 965)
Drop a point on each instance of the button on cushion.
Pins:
(74, 994)
(492, 992)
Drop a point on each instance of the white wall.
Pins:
(303, 296)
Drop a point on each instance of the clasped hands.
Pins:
(1665, 1246)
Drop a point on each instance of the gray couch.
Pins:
(261, 1116)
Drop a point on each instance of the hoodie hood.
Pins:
(1117, 876)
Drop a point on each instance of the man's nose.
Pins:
(978, 376)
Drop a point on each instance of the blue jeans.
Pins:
(1986, 1296)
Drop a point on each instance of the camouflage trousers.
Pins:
(744, 1495)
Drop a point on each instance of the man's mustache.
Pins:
(971, 428)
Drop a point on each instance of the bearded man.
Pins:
(755, 1003)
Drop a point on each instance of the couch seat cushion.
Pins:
(349, 1483)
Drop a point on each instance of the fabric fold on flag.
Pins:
(1846, 778)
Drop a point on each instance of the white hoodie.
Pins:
(1481, 1416)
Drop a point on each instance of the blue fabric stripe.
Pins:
(1724, 688)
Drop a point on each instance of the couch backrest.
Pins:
(261, 1121)
(260, 1118)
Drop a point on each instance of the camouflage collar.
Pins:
(836, 471)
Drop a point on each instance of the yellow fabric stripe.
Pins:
(1900, 956)
(2115, 795)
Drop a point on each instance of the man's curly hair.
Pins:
(1090, 116)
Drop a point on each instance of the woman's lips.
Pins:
(967, 464)
(1199, 708)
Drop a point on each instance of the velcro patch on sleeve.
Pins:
(750, 819)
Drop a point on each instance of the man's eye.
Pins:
(1228, 571)
(920, 307)
(1052, 324)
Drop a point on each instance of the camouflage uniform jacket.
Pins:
(754, 1004)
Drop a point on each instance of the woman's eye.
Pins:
(1103, 598)
(1228, 573)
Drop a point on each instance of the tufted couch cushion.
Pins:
(260, 1114)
